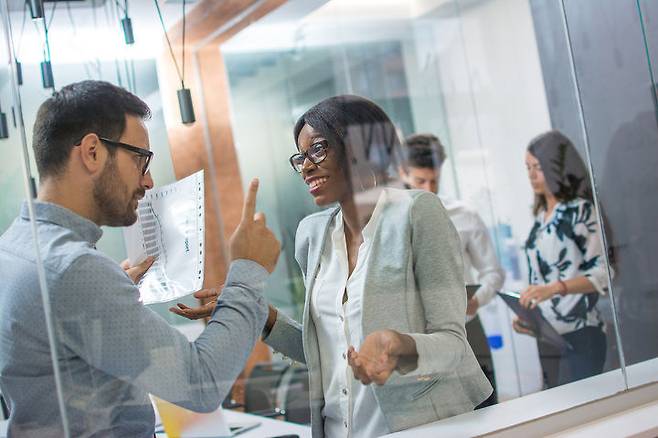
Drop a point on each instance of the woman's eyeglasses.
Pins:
(316, 154)
(144, 154)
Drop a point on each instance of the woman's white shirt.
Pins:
(350, 408)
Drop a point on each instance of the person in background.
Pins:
(423, 158)
(385, 298)
(566, 267)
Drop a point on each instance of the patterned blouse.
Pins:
(565, 246)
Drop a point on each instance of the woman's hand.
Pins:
(202, 311)
(472, 306)
(380, 355)
(536, 293)
(522, 327)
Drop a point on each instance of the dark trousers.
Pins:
(480, 346)
(585, 360)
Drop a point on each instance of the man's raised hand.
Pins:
(252, 240)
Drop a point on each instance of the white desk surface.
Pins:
(268, 427)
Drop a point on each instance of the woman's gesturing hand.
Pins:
(379, 355)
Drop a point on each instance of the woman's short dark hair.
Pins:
(423, 151)
(75, 111)
(353, 122)
(564, 170)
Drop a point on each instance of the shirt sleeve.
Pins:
(99, 318)
(439, 273)
(482, 253)
(593, 263)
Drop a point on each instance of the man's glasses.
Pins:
(316, 155)
(144, 154)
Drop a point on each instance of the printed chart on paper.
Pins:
(170, 227)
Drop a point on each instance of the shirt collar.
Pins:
(370, 228)
(53, 213)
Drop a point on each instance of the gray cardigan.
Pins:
(414, 285)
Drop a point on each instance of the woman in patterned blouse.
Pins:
(565, 257)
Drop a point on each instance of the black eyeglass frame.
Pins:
(306, 155)
(140, 151)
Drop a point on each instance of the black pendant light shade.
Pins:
(47, 75)
(36, 8)
(19, 73)
(185, 105)
(4, 129)
(127, 25)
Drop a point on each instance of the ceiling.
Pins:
(85, 30)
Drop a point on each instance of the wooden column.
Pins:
(208, 143)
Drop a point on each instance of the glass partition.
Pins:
(534, 123)
(617, 103)
(66, 351)
(482, 77)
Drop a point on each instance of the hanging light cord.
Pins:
(171, 50)
(17, 51)
(183, 54)
(46, 28)
(123, 8)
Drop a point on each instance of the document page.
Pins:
(170, 227)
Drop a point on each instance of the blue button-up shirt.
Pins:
(113, 351)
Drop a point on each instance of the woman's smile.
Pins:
(316, 183)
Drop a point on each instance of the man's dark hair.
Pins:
(76, 110)
(423, 151)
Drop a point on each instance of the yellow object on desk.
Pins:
(180, 423)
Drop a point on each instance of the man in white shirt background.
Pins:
(423, 157)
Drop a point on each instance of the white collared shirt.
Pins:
(481, 265)
(350, 409)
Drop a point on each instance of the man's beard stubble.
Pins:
(114, 211)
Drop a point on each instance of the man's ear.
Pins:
(92, 156)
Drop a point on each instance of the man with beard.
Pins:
(92, 152)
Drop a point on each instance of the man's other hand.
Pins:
(137, 272)
(252, 240)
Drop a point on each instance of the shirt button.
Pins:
(344, 356)
(345, 423)
(344, 391)
(340, 317)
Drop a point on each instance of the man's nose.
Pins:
(148, 181)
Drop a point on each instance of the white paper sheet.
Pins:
(170, 227)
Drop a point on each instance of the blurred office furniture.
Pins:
(277, 389)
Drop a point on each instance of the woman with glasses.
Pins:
(565, 259)
(385, 299)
